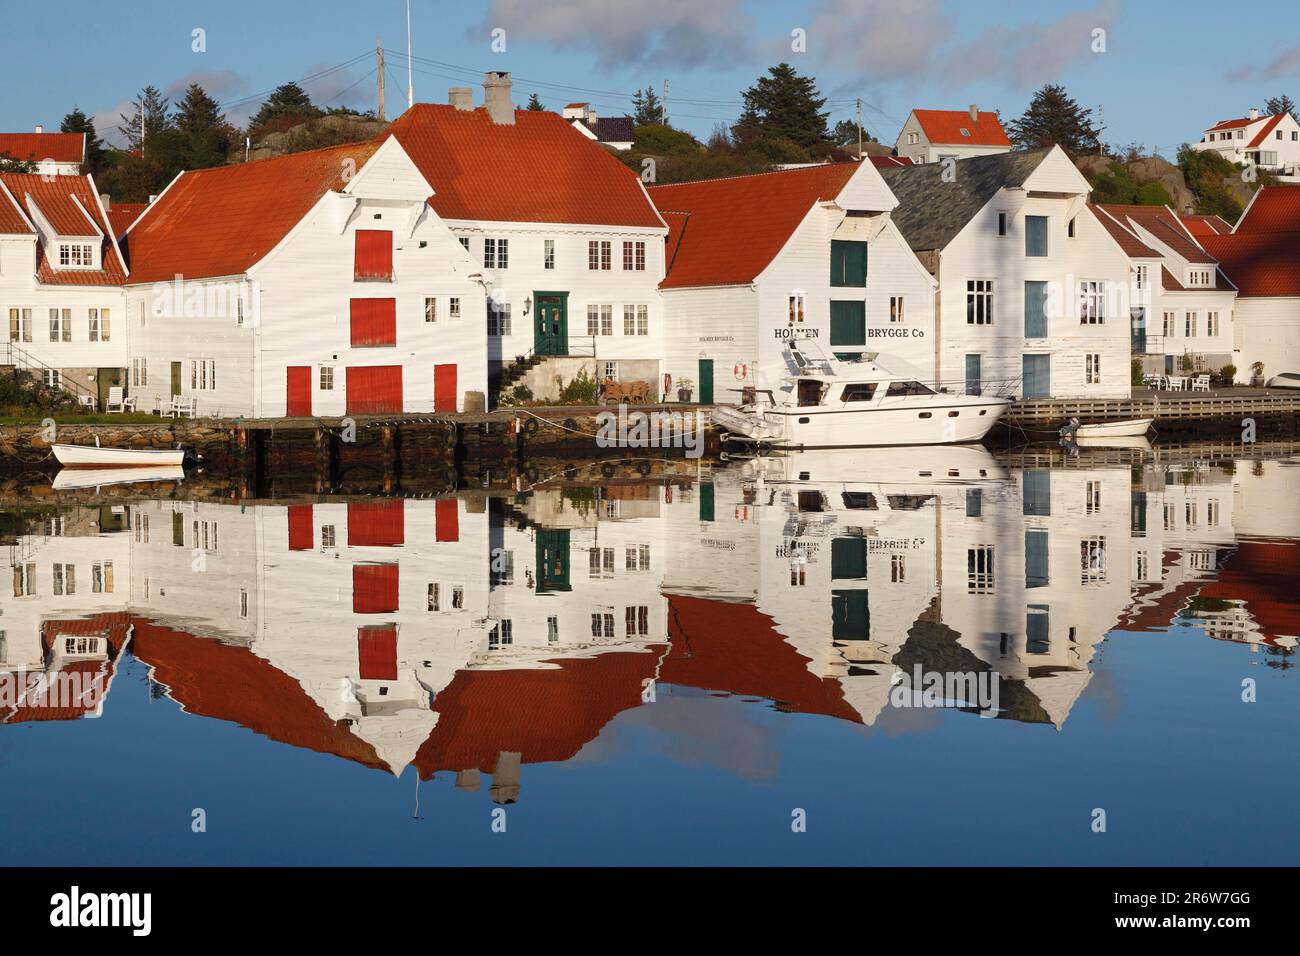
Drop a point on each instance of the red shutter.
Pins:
(375, 390)
(301, 535)
(444, 388)
(374, 322)
(374, 254)
(378, 524)
(447, 520)
(377, 652)
(374, 588)
(298, 391)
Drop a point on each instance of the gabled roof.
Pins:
(1206, 225)
(931, 211)
(70, 205)
(1259, 264)
(945, 127)
(37, 147)
(886, 162)
(1272, 209)
(1263, 133)
(122, 214)
(219, 222)
(1234, 123)
(611, 129)
(1128, 241)
(538, 169)
(1162, 223)
(726, 231)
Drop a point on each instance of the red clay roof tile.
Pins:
(1259, 264)
(70, 205)
(945, 127)
(35, 147)
(1274, 209)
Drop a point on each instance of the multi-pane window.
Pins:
(101, 575)
(600, 562)
(327, 378)
(979, 301)
(797, 303)
(898, 568)
(503, 568)
(496, 253)
(501, 635)
(602, 625)
(458, 597)
(636, 320)
(498, 318)
(895, 308)
(600, 320)
(203, 375)
(1140, 277)
(24, 580)
(1092, 496)
(243, 602)
(52, 378)
(1211, 323)
(430, 309)
(464, 241)
(139, 372)
(637, 621)
(98, 325)
(552, 629)
(1092, 369)
(1168, 323)
(76, 255)
(1092, 302)
(979, 569)
(598, 255)
(60, 325)
(634, 256)
(20, 325)
(328, 537)
(548, 253)
(453, 307)
(1092, 559)
(1212, 512)
(1189, 325)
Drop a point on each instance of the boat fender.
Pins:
(530, 474)
(643, 468)
(607, 470)
(531, 426)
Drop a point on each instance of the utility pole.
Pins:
(664, 102)
(858, 108)
(1101, 128)
(410, 88)
(379, 53)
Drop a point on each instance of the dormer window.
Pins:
(76, 255)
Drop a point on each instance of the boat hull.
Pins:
(71, 479)
(948, 420)
(1133, 427)
(90, 456)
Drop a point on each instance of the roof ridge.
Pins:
(770, 172)
(268, 159)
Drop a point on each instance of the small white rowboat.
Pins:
(1124, 429)
(71, 479)
(91, 456)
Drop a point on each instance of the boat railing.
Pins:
(996, 388)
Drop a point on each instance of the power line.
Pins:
(306, 79)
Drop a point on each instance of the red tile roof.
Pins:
(888, 162)
(1273, 209)
(1264, 575)
(1263, 133)
(1259, 264)
(71, 206)
(1127, 239)
(945, 127)
(1206, 225)
(1233, 123)
(1161, 222)
(95, 676)
(767, 207)
(122, 214)
(219, 222)
(35, 147)
(540, 169)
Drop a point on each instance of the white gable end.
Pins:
(1056, 174)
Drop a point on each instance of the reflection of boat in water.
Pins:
(1138, 442)
(916, 464)
(70, 479)
(92, 456)
(1129, 428)
(828, 403)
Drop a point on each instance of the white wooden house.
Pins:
(1182, 304)
(929, 136)
(567, 242)
(49, 154)
(1034, 293)
(61, 275)
(1269, 143)
(314, 284)
(809, 254)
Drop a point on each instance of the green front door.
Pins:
(551, 323)
(176, 378)
(553, 560)
(706, 381)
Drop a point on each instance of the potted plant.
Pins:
(1257, 373)
(1228, 375)
(685, 387)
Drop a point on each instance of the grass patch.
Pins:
(66, 416)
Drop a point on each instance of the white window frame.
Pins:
(1092, 301)
(979, 292)
(896, 309)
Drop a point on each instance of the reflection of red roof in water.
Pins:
(546, 715)
(1265, 575)
(1159, 614)
(95, 675)
(736, 648)
(232, 683)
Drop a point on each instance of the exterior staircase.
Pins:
(513, 372)
(14, 359)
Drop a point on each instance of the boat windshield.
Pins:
(908, 388)
(858, 392)
(810, 392)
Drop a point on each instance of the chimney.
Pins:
(461, 97)
(974, 113)
(40, 128)
(1254, 113)
(496, 97)
(591, 116)
(106, 201)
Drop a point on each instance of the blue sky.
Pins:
(1168, 70)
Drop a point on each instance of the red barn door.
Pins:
(375, 390)
(444, 388)
(377, 652)
(298, 385)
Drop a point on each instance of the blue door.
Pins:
(972, 374)
(1036, 380)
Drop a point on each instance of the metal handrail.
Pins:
(31, 362)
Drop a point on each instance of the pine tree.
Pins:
(154, 107)
(289, 105)
(784, 105)
(535, 104)
(647, 110)
(79, 122)
(1054, 119)
(1280, 104)
(198, 112)
(205, 132)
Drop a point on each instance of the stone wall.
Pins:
(24, 440)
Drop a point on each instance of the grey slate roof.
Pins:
(612, 129)
(931, 212)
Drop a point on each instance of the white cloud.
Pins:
(680, 33)
(1284, 64)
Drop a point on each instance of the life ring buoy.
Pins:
(740, 371)
(668, 385)
(531, 426)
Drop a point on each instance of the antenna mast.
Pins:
(410, 89)
(379, 53)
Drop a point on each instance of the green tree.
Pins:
(1054, 119)
(287, 106)
(1279, 104)
(10, 165)
(845, 133)
(647, 110)
(783, 106)
(79, 122)
(535, 103)
(1207, 174)
(206, 135)
(154, 108)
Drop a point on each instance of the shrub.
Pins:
(1135, 372)
(522, 393)
(581, 390)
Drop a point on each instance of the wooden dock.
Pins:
(1226, 405)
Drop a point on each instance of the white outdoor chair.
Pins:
(1201, 383)
(114, 403)
(88, 401)
(128, 403)
(185, 406)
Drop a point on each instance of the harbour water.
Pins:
(894, 656)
